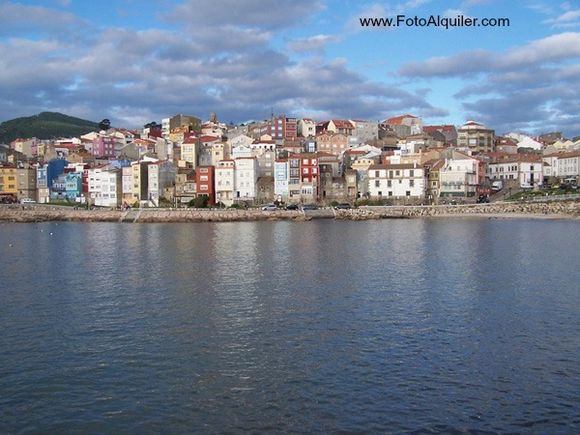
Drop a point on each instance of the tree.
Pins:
(105, 124)
(201, 201)
(152, 125)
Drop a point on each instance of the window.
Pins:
(411, 183)
(390, 193)
(411, 173)
(377, 183)
(380, 193)
(408, 193)
(377, 175)
(305, 171)
(389, 183)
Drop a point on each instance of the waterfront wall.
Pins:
(43, 213)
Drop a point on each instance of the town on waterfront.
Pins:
(185, 161)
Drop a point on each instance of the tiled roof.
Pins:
(397, 120)
(343, 123)
(442, 128)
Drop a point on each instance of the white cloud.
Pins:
(554, 48)
(314, 43)
(570, 18)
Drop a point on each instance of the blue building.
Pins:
(55, 168)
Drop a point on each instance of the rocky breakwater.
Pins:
(45, 213)
(563, 209)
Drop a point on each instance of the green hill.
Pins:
(45, 125)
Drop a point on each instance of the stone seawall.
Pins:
(44, 213)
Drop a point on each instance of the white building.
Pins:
(396, 181)
(189, 152)
(306, 127)
(458, 176)
(225, 182)
(525, 141)
(569, 165)
(105, 186)
(281, 179)
(527, 171)
(246, 176)
(127, 185)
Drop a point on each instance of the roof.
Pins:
(397, 120)
(208, 138)
(442, 128)
(190, 140)
(435, 164)
(396, 166)
(567, 155)
(343, 123)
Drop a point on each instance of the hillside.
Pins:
(45, 125)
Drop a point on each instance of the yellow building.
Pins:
(8, 180)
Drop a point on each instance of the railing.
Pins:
(566, 197)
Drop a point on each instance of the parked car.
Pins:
(270, 207)
(27, 201)
(292, 207)
(343, 206)
(483, 199)
(309, 207)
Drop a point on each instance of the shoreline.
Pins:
(568, 210)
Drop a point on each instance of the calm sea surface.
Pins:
(384, 326)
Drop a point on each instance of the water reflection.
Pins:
(317, 326)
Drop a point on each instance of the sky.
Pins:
(137, 61)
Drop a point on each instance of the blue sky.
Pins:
(134, 61)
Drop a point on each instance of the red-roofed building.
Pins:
(343, 126)
(404, 125)
(448, 132)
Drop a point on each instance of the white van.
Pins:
(27, 201)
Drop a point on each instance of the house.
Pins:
(225, 182)
(396, 182)
(332, 143)
(67, 187)
(160, 177)
(105, 186)
(188, 156)
(458, 176)
(309, 177)
(343, 126)
(8, 182)
(28, 147)
(281, 180)
(433, 188)
(306, 128)
(523, 169)
(476, 136)
(245, 177)
(240, 139)
(404, 125)
(525, 141)
(26, 182)
(448, 132)
(506, 145)
(564, 166)
(364, 132)
(205, 182)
